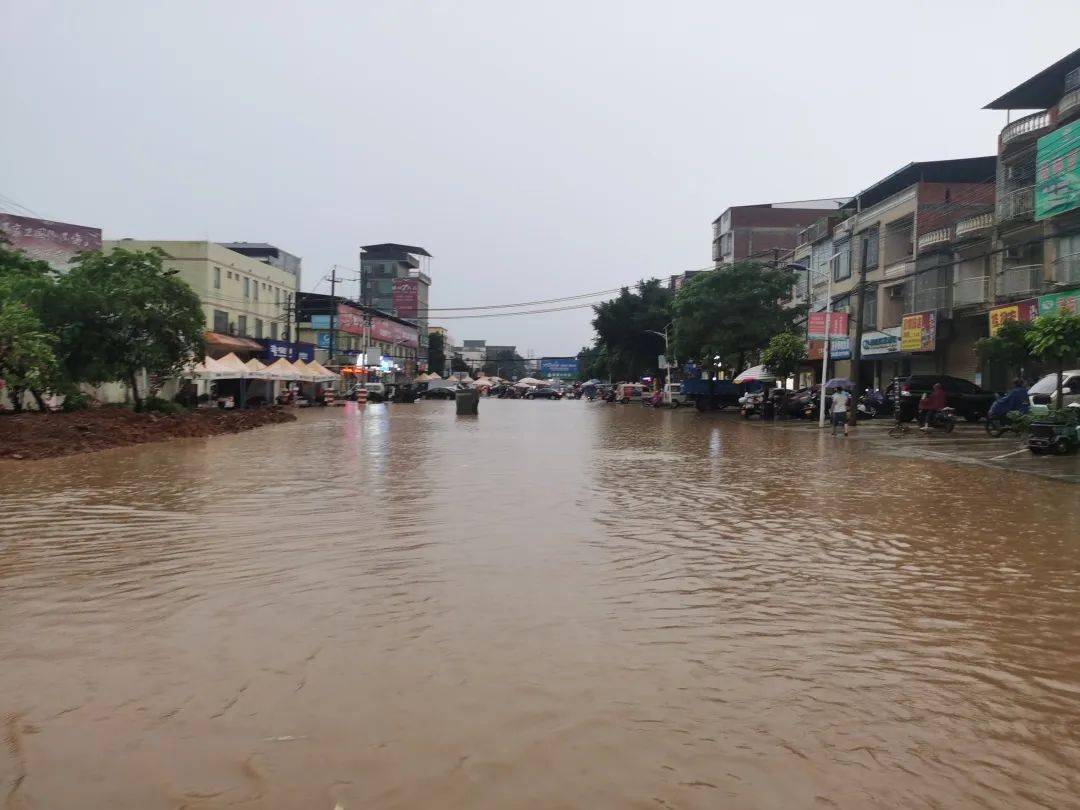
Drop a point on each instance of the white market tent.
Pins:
(527, 381)
(282, 369)
(322, 374)
(257, 370)
(208, 369)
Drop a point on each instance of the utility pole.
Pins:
(288, 326)
(333, 312)
(860, 305)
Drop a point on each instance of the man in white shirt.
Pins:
(840, 399)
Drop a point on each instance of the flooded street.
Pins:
(555, 605)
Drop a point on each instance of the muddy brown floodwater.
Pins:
(556, 605)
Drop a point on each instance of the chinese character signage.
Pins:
(351, 321)
(1057, 175)
(406, 294)
(886, 341)
(559, 368)
(54, 242)
(1067, 301)
(276, 349)
(838, 324)
(1020, 311)
(918, 332)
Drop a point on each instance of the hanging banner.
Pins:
(838, 325)
(54, 242)
(1057, 172)
(1026, 310)
(406, 297)
(918, 332)
(1067, 301)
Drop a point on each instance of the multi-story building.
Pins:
(885, 235)
(396, 279)
(1036, 262)
(244, 299)
(473, 353)
(746, 231)
(342, 330)
(268, 254)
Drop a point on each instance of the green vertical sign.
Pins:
(1057, 172)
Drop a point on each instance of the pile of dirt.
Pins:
(47, 435)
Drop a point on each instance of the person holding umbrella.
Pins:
(839, 399)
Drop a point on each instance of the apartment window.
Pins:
(247, 288)
(256, 291)
(870, 309)
(258, 327)
(842, 266)
(241, 325)
(870, 244)
(221, 322)
(273, 330)
(277, 295)
(217, 278)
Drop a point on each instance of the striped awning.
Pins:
(231, 342)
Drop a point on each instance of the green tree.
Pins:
(505, 363)
(625, 325)
(27, 359)
(30, 299)
(436, 353)
(1054, 339)
(592, 362)
(458, 364)
(1009, 346)
(784, 354)
(732, 312)
(132, 314)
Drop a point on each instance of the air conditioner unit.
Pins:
(896, 291)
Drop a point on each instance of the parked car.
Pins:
(968, 400)
(673, 395)
(1041, 394)
(543, 393)
(442, 392)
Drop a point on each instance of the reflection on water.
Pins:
(558, 604)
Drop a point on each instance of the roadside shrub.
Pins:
(77, 401)
(157, 405)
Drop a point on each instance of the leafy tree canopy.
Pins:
(1054, 339)
(436, 353)
(1008, 347)
(784, 354)
(732, 312)
(625, 325)
(132, 314)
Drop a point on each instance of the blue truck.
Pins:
(712, 395)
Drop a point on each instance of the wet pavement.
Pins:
(967, 444)
(553, 605)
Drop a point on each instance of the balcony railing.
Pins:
(1020, 280)
(936, 237)
(1072, 80)
(930, 298)
(1018, 203)
(970, 291)
(972, 225)
(1069, 105)
(1067, 269)
(900, 268)
(1026, 128)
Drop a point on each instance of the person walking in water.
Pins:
(839, 400)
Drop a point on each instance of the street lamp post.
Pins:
(828, 327)
(667, 358)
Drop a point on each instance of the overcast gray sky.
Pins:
(535, 149)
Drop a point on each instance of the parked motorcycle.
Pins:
(872, 403)
(750, 403)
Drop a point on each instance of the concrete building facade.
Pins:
(243, 298)
(746, 231)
